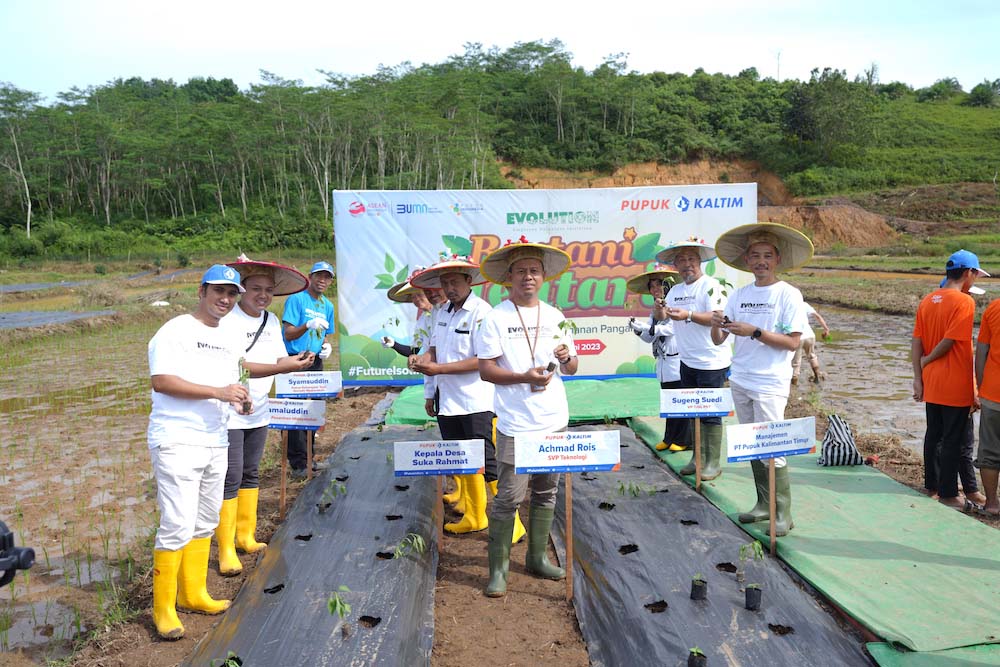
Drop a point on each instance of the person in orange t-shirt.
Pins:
(941, 352)
(988, 376)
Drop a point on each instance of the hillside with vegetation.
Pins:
(155, 168)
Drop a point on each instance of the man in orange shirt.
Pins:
(988, 377)
(941, 352)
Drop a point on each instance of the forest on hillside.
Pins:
(136, 164)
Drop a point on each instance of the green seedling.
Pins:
(698, 577)
(245, 381)
(232, 660)
(337, 604)
(635, 490)
(413, 542)
(748, 552)
(332, 490)
(694, 650)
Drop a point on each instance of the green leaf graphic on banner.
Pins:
(390, 265)
(457, 244)
(627, 368)
(645, 247)
(341, 329)
(385, 281)
(403, 272)
(710, 267)
(645, 364)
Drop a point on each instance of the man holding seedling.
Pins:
(767, 318)
(306, 320)
(524, 347)
(194, 368)
(258, 334)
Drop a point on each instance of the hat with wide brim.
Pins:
(430, 277)
(555, 262)
(286, 279)
(669, 254)
(794, 247)
(402, 292)
(640, 283)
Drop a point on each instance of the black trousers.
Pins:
(947, 429)
(296, 438)
(678, 430)
(472, 427)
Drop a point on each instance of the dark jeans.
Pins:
(246, 445)
(947, 430)
(966, 471)
(676, 431)
(478, 425)
(693, 378)
(297, 439)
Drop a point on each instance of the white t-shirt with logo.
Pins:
(452, 340)
(694, 341)
(502, 337)
(268, 349)
(779, 308)
(200, 354)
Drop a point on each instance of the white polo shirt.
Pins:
(694, 341)
(452, 338)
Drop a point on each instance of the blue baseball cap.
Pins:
(963, 259)
(220, 274)
(322, 266)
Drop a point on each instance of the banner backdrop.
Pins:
(611, 234)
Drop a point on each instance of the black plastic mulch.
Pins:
(635, 555)
(280, 615)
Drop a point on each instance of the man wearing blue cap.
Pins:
(941, 353)
(305, 322)
(194, 369)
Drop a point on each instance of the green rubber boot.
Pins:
(689, 467)
(501, 533)
(711, 451)
(760, 511)
(537, 561)
(782, 502)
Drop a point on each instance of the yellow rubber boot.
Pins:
(225, 535)
(192, 592)
(519, 531)
(459, 505)
(474, 518)
(165, 567)
(246, 521)
(454, 496)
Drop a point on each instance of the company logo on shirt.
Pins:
(209, 346)
(762, 308)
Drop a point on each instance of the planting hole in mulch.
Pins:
(624, 444)
(589, 478)
(657, 607)
(322, 507)
(304, 538)
(365, 438)
(384, 555)
(342, 478)
(607, 507)
(725, 567)
(402, 487)
(370, 621)
(663, 490)
(639, 467)
(779, 629)
(688, 522)
(274, 589)
(626, 549)
(393, 517)
(354, 458)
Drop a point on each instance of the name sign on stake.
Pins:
(288, 414)
(567, 451)
(768, 440)
(309, 384)
(696, 402)
(439, 457)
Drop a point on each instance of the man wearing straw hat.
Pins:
(524, 346)
(658, 330)
(465, 401)
(258, 335)
(306, 320)
(704, 364)
(767, 318)
(194, 371)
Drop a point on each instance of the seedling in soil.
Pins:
(635, 490)
(337, 604)
(748, 552)
(413, 542)
(699, 587)
(245, 381)
(232, 660)
(696, 657)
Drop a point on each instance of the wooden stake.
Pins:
(440, 519)
(310, 437)
(771, 504)
(697, 454)
(284, 474)
(569, 537)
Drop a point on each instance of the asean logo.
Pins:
(356, 208)
(683, 204)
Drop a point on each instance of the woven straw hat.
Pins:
(286, 279)
(794, 247)
(554, 261)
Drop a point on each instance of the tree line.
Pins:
(155, 163)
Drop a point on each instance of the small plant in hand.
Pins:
(413, 542)
(245, 381)
(337, 605)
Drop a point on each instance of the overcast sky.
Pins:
(48, 46)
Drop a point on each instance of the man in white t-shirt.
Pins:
(767, 319)
(807, 347)
(258, 335)
(194, 369)
(704, 364)
(524, 347)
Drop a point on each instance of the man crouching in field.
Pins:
(194, 367)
